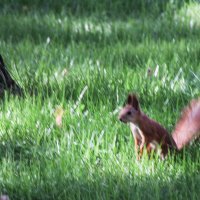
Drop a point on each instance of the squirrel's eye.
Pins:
(129, 113)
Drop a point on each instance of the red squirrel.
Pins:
(150, 133)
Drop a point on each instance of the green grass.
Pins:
(55, 52)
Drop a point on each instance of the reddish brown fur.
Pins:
(151, 130)
(154, 131)
(188, 126)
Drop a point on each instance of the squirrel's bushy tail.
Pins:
(188, 126)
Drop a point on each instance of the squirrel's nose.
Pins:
(121, 120)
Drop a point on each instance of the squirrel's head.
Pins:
(131, 111)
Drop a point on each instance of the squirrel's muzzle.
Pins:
(121, 119)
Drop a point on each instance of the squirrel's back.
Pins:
(188, 126)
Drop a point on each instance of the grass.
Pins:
(56, 54)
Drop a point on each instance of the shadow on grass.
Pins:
(37, 29)
(115, 8)
(37, 26)
(145, 188)
(108, 186)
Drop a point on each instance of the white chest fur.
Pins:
(135, 131)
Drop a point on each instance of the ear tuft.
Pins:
(135, 102)
(129, 99)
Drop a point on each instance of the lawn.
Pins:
(82, 58)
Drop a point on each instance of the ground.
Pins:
(76, 63)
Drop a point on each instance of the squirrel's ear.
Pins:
(129, 99)
(135, 102)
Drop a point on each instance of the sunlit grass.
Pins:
(63, 139)
(191, 15)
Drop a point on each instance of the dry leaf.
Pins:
(149, 72)
(64, 72)
(58, 115)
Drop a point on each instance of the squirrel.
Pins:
(148, 132)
